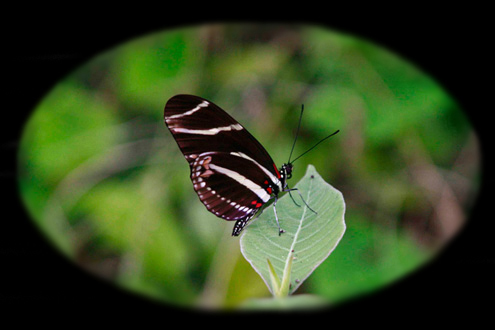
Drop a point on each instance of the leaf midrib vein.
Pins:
(300, 224)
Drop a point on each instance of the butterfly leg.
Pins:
(289, 190)
(280, 230)
(300, 195)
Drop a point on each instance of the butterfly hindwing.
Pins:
(225, 192)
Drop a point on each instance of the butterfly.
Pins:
(231, 172)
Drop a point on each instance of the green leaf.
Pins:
(308, 240)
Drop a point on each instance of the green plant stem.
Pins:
(274, 279)
(281, 288)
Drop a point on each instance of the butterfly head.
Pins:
(285, 173)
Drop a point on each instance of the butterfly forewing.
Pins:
(231, 172)
(199, 125)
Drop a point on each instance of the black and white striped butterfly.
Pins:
(233, 175)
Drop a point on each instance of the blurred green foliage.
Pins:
(104, 180)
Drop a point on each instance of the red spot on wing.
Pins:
(254, 202)
(269, 190)
(258, 205)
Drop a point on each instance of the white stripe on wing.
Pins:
(210, 131)
(258, 190)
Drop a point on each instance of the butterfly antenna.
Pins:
(315, 145)
(297, 133)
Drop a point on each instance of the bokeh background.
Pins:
(105, 182)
